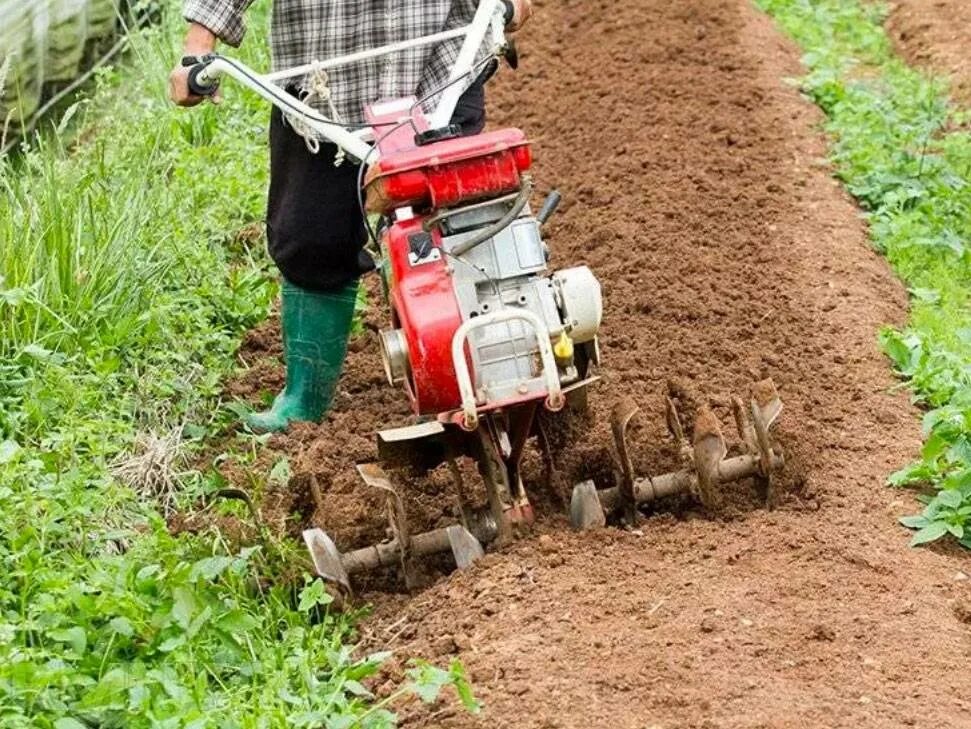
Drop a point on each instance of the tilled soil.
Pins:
(935, 34)
(696, 189)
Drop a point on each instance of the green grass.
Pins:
(123, 294)
(905, 153)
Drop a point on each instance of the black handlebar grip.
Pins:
(197, 87)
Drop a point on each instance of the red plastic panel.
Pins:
(428, 314)
(446, 173)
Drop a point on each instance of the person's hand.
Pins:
(179, 89)
(521, 11)
(199, 41)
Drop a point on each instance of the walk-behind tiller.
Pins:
(482, 334)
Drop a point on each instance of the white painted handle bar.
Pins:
(489, 17)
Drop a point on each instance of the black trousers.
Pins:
(315, 229)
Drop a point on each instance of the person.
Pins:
(315, 228)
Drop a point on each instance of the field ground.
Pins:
(935, 34)
(696, 185)
(697, 189)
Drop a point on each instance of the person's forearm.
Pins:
(220, 18)
(199, 40)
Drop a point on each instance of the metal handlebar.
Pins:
(489, 16)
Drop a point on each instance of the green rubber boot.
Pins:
(315, 331)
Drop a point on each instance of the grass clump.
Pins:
(123, 294)
(905, 153)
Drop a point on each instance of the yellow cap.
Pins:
(563, 349)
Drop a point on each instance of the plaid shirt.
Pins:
(306, 30)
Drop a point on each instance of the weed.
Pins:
(121, 307)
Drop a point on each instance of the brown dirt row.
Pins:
(935, 34)
(695, 190)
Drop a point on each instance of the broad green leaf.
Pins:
(35, 351)
(280, 473)
(8, 451)
(171, 644)
(934, 530)
(66, 722)
(75, 636)
(237, 621)
(12, 297)
(122, 626)
(368, 667)
(914, 522)
(210, 568)
(314, 594)
(184, 606)
(949, 498)
(427, 681)
(356, 688)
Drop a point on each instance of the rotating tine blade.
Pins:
(709, 450)
(326, 558)
(674, 422)
(620, 417)
(745, 430)
(765, 407)
(586, 511)
(375, 476)
(466, 549)
(765, 399)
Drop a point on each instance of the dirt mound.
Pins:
(935, 34)
(693, 187)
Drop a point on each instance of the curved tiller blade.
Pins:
(326, 558)
(465, 548)
(765, 408)
(620, 417)
(766, 400)
(586, 512)
(709, 450)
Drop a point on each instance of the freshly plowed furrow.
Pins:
(727, 253)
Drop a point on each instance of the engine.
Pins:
(479, 321)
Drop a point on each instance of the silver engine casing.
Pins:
(511, 270)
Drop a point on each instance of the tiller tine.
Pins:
(403, 547)
(708, 453)
(620, 417)
(326, 558)
(586, 511)
(707, 465)
(764, 409)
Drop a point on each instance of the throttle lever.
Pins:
(550, 204)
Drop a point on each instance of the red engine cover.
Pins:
(446, 173)
(440, 174)
(428, 314)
